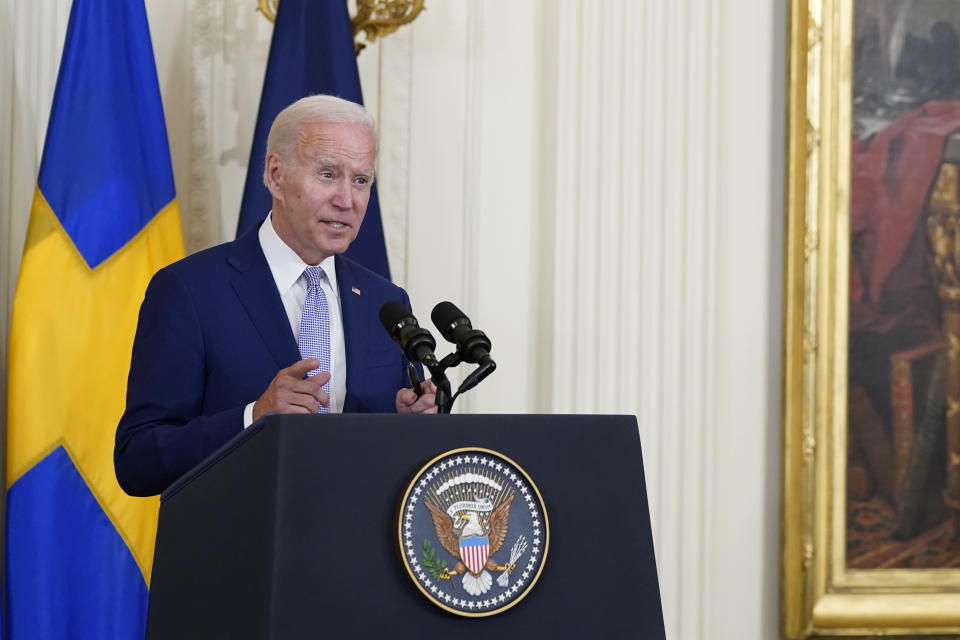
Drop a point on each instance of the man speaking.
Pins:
(277, 321)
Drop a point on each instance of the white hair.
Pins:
(286, 127)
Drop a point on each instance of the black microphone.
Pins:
(416, 342)
(472, 344)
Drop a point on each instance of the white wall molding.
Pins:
(474, 191)
(632, 280)
(745, 447)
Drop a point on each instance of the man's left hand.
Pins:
(408, 402)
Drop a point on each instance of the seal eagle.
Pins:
(454, 535)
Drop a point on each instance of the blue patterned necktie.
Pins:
(315, 326)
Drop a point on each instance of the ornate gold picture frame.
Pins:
(834, 470)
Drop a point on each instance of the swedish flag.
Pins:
(104, 219)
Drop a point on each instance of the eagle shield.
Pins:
(474, 551)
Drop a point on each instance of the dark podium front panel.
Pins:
(290, 531)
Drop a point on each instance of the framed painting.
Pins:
(871, 453)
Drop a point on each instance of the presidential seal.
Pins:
(473, 532)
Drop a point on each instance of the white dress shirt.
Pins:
(287, 270)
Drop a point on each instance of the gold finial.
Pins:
(263, 6)
(381, 17)
(374, 17)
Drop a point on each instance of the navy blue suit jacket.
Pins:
(212, 335)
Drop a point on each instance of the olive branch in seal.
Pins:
(430, 560)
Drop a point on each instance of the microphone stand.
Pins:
(445, 399)
(444, 396)
(437, 369)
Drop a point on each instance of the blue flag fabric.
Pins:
(311, 53)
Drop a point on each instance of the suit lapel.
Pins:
(356, 328)
(257, 291)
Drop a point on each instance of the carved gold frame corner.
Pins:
(820, 597)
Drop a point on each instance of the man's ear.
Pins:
(274, 175)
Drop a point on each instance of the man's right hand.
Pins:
(290, 393)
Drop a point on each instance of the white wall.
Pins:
(745, 449)
(599, 184)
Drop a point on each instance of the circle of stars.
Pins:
(521, 575)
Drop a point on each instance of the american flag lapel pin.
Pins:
(355, 290)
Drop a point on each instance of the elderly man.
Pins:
(277, 321)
